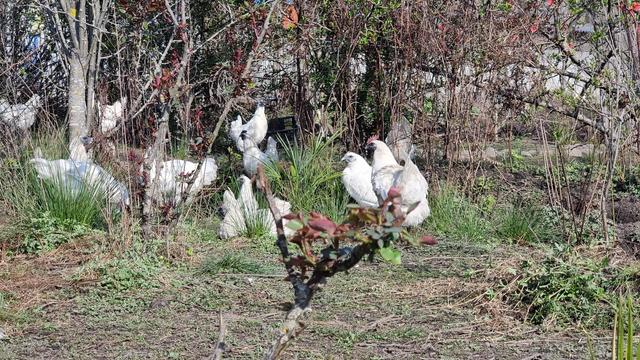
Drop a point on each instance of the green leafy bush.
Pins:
(565, 290)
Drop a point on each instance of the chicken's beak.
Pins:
(370, 149)
(344, 158)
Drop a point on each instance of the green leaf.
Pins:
(295, 225)
(391, 255)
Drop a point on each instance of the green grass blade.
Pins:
(629, 308)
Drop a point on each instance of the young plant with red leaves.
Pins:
(327, 248)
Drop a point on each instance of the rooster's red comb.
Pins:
(372, 138)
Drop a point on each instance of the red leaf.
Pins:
(428, 240)
(323, 224)
(291, 18)
(291, 216)
(550, 2)
(635, 7)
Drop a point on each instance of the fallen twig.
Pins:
(220, 345)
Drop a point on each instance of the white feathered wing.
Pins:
(253, 156)
(233, 222)
(386, 170)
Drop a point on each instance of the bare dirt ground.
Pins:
(63, 305)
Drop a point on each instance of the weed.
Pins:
(258, 225)
(627, 180)
(232, 263)
(4, 306)
(623, 330)
(128, 273)
(29, 196)
(565, 289)
(45, 233)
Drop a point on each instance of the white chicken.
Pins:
(110, 115)
(233, 222)
(246, 198)
(252, 156)
(399, 140)
(410, 182)
(284, 207)
(256, 128)
(356, 178)
(175, 175)
(78, 175)
(20, 116)
(243, 212)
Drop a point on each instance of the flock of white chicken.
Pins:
(242, 212)
(248, 136)
(369, 185)
(177, 182)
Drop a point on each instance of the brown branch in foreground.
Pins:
(333, 258)
(303, 293)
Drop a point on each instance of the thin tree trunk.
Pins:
(77, 98)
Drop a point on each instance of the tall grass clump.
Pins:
(308, 178)
(623, 331)
(455, 216)
(68, 199)
(232, 263)
(528, 223)
(72, 201)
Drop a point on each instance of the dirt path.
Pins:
(431, 307)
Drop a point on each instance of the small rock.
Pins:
(250, 280)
